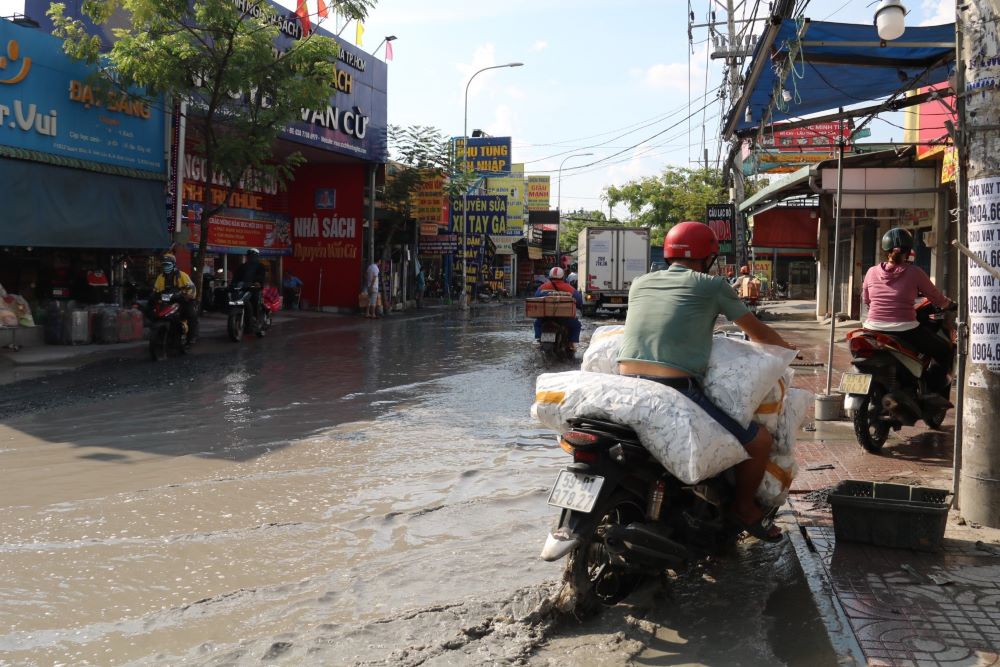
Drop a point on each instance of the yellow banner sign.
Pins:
(538, 193)
(512, 188)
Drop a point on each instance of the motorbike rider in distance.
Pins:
(668, 339)
(890, 290)
(252, 273)
(555, 285)
(173, 278)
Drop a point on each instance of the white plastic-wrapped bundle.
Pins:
(778, 476)
(740, 374)
(691, 445)
(797, 403)
(602, 350)
(770, 408)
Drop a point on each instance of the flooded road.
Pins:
(342, 492)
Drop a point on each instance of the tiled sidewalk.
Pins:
(903, 607)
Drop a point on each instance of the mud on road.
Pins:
(348, 492)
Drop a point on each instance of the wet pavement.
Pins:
(897, 606)
(343, 491)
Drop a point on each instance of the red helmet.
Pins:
(690, 240)
(744, 270)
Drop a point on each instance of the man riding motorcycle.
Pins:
(555, 285)
(253, 273)
(668, 338)
(172, 278)
(890, 290)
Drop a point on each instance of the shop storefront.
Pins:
(315, 227)
(783, 244)
(82, 177)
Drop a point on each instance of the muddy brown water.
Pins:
(344, 492)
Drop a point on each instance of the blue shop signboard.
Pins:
(48, 106)
(488, 156)
(354, 121)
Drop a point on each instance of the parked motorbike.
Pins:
(168, 332)
(888, 386)
(624, 516)
(241, 320)
(272, 303)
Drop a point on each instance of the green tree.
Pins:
(418, 152)
(572, 222)
(660, 202)
(222, 62)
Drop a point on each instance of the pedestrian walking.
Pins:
(371, 283)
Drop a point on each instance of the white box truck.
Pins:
(610, 258)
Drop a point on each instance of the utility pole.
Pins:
(979, 133)
(739, 194)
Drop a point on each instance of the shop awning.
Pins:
(823, 66)
(60, 207)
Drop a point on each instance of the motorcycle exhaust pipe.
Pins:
(644, 543)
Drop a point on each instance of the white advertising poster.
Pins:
(984, 289)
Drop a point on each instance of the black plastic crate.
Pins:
(890, 515)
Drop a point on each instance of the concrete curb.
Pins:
(838, 627)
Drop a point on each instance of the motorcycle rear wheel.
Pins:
(870, 430)
(158, 342)
(235, 326)
(595, 576)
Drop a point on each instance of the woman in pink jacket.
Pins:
(890, 290)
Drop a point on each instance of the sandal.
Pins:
(762, 529)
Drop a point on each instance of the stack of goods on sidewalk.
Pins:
(14, 310)
(746, 380)
(67, 323)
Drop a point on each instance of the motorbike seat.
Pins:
(885, 340)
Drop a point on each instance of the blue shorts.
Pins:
(692, 389)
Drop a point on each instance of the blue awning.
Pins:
(825, 66)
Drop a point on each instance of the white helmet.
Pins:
(556, 273)
(572, 279)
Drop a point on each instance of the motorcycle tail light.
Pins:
(583, 456)
(579, 438)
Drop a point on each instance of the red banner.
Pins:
(820, 137)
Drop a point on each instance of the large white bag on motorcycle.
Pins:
(781, 468)
(770, 409)
(741, 374)
(691, 445)
(602, 350)
(797, 403)
(778, 476)
(739, 377)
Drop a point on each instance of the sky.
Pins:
(617, 79)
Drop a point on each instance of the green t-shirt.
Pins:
(671, 316)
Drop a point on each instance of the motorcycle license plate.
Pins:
(574, 491)
(549, 337)
(855, 383)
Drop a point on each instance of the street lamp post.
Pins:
(464, 299)
(559, 197)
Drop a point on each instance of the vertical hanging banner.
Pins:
(538, 193)
(721, 217)
(984, 289)
(487, 216)
(512, 188)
